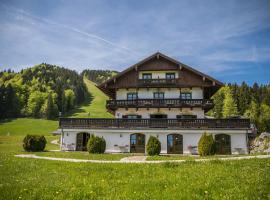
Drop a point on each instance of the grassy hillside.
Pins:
(95, 106)
(24, 126)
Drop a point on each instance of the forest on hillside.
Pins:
(243, 100)
(40, 92)
(98, 76)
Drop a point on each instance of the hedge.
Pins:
(34, 143)
(96, 144)
(206, 145)
(153, 146)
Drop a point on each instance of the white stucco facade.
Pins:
(171, 113)
(169, 93)
(119, 140)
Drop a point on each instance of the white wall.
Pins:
(144, 93)
(158, 74)
(190, 137)
(171, 114)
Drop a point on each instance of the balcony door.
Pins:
(175, 144)
(137, 143)
(223, 144)
(81, 142)
(158, 121)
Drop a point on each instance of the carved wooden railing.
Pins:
(159, 103)
(101, 123)
(159, 81)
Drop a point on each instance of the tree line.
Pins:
(243, 100)
(41, 91)
(98, 76)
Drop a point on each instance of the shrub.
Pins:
(153, 146)
(96, 144)
(206, 145)
(34, 143)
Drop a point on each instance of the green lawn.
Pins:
(191, 158)
(82, 155)
(95, 106)
(41, 179)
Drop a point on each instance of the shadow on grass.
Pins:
(88, 100)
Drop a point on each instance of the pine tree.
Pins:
(229, 106)
(218, 102)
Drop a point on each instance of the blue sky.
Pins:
(229, 40)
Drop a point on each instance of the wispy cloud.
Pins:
(214, 37)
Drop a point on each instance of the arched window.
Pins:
(81, 142)
(174, 144)
(223, 144)
(137, 143)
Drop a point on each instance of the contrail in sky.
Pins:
(76, 30)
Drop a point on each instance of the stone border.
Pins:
(143, 160)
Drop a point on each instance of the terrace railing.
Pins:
(101, 123)
(159, 103)
(151, 82)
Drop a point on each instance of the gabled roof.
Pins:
(158, 54)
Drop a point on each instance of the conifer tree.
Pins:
(229, 106)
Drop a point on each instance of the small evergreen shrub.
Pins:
(153, 146)
(206, 145)
(96, 144)
(34, 143)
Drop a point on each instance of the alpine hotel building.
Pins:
(162, 97)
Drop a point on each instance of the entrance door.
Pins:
(158, 121)
(223, 144)
(175, 144)
(82, 139)
(137, 143)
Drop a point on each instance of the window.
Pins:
(185, 95)
(147, 76)
(186, 116)
(170, 75)
(132, 96)
(158, 95)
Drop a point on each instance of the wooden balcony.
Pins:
(101, 123)
(156, 82)
(160, 103)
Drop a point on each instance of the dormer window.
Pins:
(185, 95)
(132, 96)
(170, 75)
(146, 76)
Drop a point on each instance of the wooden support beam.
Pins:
(157, 56)
(180, 67)
(203, 78)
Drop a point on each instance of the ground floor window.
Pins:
(223, 144)
(174, 144)
(81, 142)
(132, 116)
(186, 116)
(137, 143)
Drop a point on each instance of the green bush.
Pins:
(206, 145)
(34, 143)
(96, 144)
(153, 146)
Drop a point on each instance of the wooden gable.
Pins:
(188, 77)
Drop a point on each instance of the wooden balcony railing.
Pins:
(159, 81)
(159, 103)
(101, 123)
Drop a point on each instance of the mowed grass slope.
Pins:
(95, 106)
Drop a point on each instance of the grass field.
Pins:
(22, 178)
(95, 105)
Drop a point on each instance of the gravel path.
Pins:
(135, 159)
